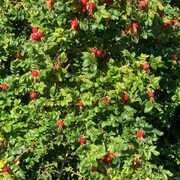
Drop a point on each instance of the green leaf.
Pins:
(93, 67)
(63, 57)
(52, 91)
(86, 62)
(148, 107)
(159, 133)
(7, 128)
(156, 153)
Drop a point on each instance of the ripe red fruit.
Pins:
(140, 134)
(106, 100)
(33, 95)
(125, 97)
(34, 30)
(84, 8)
(4, 86)
(109, 159)
(34, 37)
(82, 140)
(74, 24)
(98, 53)
(151, 94)
(91, 6)
(93, 169)
(50, 1)
(102, 55)
(174, 58)
(143, 4)
(104, 158)
(94, 51)
(80, 104)
(18, 56)
(112, 154)
(50, 6)
(39, 35)
(60, 123)
(175, 21)
(35, 73)
(145, 66)
(6, 169)
(83, 2)
(167, 23)
(134, 25)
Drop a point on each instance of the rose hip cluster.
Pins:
(98, 53)
(108, 158)
(87, 6)
(36, 34)
(168, 23)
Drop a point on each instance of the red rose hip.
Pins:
(125, 97)
(80, 104)
(82, 140)
(60, 123)
(167, 23)
(4, 86)
(143, 4)
(104, 158)
(39, 35)
(140, 134)
(134, 25)
(109, 159)
(34, 37)
(74, 24)
(112, 154)
(91, 6)
(145, 66)
(98, 53)
(174, 58)
(18, 56)
(151, 94)
(93, 169)
(35, 73)
(6, 169)
(33, 95)
(83, 2)
(34, 30)
(94, 51)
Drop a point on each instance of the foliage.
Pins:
(89, 92)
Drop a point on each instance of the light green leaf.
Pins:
(148, 107)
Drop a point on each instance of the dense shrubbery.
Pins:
(89, 90)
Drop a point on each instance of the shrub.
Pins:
(90, 89)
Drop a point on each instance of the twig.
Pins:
(25, 151)
(67, 66)
(78, 174)
(63, 164)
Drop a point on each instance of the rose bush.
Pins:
(89, 89)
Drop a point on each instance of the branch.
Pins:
(63, 164)
(67, 66)
(25, 151)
